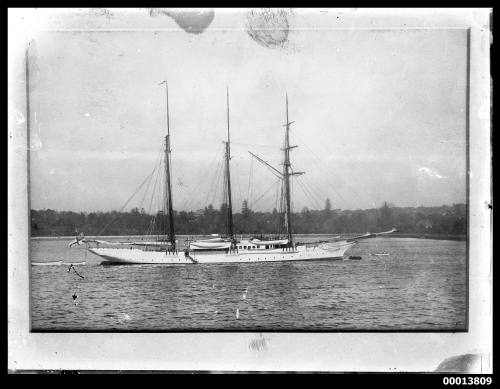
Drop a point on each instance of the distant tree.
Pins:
(209, 211)
(445, 220)
(244, 209)
(385, 219)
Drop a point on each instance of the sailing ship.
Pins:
(225, 249)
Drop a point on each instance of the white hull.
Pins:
(301, 253)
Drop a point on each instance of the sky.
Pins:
(379, 115)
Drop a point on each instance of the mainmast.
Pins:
(286, 177)
(168, 186)
(229, 221)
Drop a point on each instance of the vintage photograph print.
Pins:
(226, 171)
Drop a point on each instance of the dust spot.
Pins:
(124, 317)
(18, 116)
(194, 22)
(36, 144)
(467, 363)
(268, 28)
(429, 172)
(258, 344)
(101, 12)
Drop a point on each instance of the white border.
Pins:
(230, 351)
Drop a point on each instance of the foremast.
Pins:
(168, 205)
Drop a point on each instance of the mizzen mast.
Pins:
(287, 172)
(229, 205)
(168, 184)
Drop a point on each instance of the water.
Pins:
(421, 285)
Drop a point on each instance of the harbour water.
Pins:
(420, 285)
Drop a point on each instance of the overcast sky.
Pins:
(379, 115)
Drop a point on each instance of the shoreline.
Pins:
(429, 236)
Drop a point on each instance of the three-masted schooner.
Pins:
(225, 249)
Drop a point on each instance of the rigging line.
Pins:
(162, 206)
(189, 202)
(238, 181)
(145, 192)
(303, 187)
(251, 144)
(330, 186)
(220, 183)
(153, 192)
(282, 209)
(306, 193)
(326, 178)
(157, 165)
(130, 198)
(310, 194)
(277, 198)
(321, 163)
(277, 207)
(316, 200)
(326, 193)
(215, 188)
(263, 194)
(212, 187)
(250, 176)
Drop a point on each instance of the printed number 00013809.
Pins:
(467, 380)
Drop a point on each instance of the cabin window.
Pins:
(267, 246)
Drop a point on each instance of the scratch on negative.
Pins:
(258, 344)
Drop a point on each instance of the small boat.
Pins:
(52, 263)
(380, 254)
(356, 257)
(73, 263)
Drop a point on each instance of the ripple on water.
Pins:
(421, 286)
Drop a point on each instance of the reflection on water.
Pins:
(420, 285)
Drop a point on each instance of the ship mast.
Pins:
(286, 177)
(168, 185)
(229, 221)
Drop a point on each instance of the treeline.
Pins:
(443, 220)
